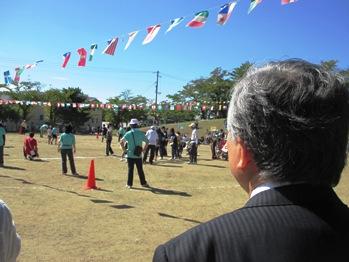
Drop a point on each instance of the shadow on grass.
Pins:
(175, 162)
(165, 165)
(39, 160)
(13, 167)
(185, 219)
(161, 191)
(9, 146)
(121, 206)
(85, 177)
(211, 165)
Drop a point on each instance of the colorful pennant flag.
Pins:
(110, 49)
(19, 71)
(285, 2)
(92, 51)
(199, 19)
(253, 5)
(29, 66)
(7, 76)
(66, 58)
(152, 32)
(131, 37)
(82, 61)
(174, 23)
(225, 12)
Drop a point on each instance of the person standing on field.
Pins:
(66, 146)
(108, 140)
(2, 143)
(135, 139)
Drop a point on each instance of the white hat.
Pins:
(152, 127)
(134, 121)
(192, 125)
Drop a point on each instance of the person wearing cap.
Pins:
(153, 138)
(194, 141)
(134, 139)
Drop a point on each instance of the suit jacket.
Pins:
(290, 223)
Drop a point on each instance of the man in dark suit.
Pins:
(288, 132)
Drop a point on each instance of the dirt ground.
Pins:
(59, 220)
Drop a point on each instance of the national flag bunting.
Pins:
(66, 58)
(253, 5)
(285, 2)
(19, 71)
(7, 76)
(199, 19)
(29, 66)
(82, 61)
(152, 32)
(131, 37)
(110, 49)
(174, 23)
(225, 12)
(92, 51)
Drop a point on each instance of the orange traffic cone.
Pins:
(91, 180)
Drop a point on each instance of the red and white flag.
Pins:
(285, 2)
(131, 37)
(152, 32)
(82, 52)
(110, 49)
(66, 58)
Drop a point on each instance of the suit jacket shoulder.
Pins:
(294, 223)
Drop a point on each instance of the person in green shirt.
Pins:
(121, 132)
(66, 146)
(2, 144)
(134, 139)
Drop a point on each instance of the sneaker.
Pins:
(145, 185)
(75, 174)
(189, 163)
(64, 174)
(128, 187)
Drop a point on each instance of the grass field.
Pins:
(60, 221)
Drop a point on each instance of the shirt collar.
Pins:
(266, 186)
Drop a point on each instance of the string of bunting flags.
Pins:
(188, 106)
(198, 21)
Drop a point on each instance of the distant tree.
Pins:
(330, 65)
(76, 116)
(120, 114)
(240, 71)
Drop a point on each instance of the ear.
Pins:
(244, 155)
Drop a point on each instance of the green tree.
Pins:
(330, 65)
(76, 116)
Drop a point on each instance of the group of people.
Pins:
(288, 126)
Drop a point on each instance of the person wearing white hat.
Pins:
(194, 141)
(153, 138)
(135, 139)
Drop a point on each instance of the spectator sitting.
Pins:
(30, 147)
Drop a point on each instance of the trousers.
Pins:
(64, 154)
(138, 162)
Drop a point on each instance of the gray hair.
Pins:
(293, 117)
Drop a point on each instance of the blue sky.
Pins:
(314, 30)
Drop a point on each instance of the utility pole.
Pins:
(156, 89)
